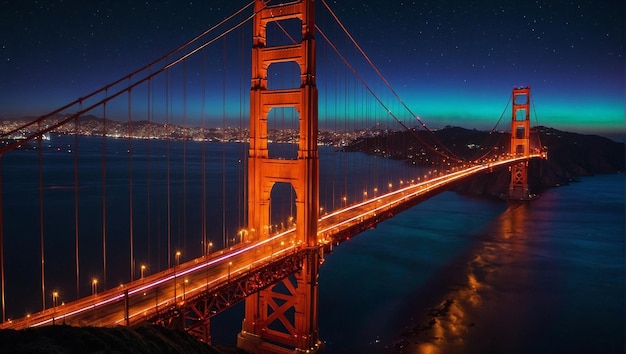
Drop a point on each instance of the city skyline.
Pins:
(453, 63)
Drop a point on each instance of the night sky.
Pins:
(453, 62)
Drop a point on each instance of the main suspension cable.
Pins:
(62, 122)
(367, 58)
(128, 76)
(379, 100)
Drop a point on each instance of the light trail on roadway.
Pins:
(140, 299)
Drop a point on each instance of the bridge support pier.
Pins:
(283, 319)
(520, 144)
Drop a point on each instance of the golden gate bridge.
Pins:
(270, 249)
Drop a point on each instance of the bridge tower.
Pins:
(520, 143)
(283, 319)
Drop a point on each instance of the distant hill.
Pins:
(570, 155)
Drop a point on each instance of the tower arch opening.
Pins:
(284, 32)
(283, 133)
(283, 75)
(282, 207)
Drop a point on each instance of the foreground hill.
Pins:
(136, 339)
(570, 155)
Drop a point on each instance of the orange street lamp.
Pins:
(94, 286)
(55, 298)
(143, 267)
(243, 234)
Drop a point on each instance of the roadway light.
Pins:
(177, 258)
(94, 286)
(210, 245)
(243, 234)
(55, 297)
(143, 267)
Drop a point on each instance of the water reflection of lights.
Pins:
(428, 348)
(446, 328)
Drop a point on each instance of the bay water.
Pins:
(462, 275)
(451, 275)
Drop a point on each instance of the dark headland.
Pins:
(570, 155)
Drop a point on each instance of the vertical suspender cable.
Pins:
(355, 195)
(243, 182)
(41, 231)
(169, 204)
(345, 130)
(224, 238)
(148, 173)
(331, 203)
(184, 155)
(205, 244)
(130, 188)
(324, 202)
(104, 203)
(4, 316)
(539, 146)
(76, 204)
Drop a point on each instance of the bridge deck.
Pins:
(222, 273)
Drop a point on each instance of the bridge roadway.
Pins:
(145, 298)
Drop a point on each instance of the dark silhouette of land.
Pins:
(570, 155)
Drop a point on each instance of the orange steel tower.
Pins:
(284, 317)
(520, 143)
